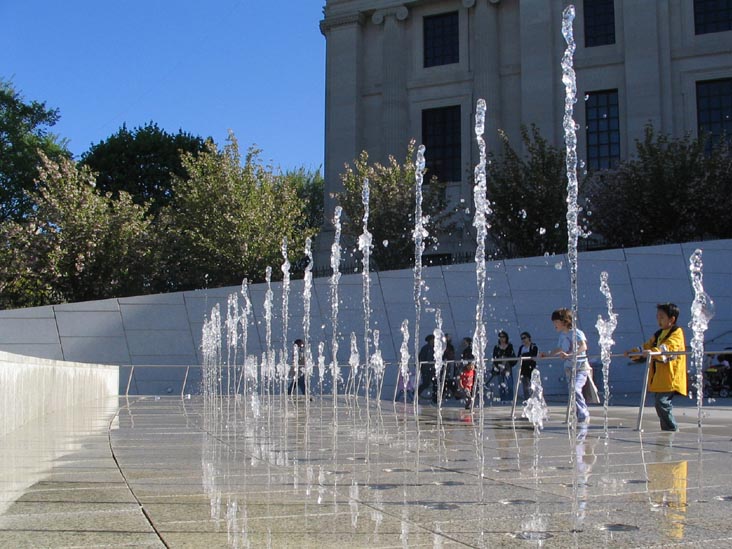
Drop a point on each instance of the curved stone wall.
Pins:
(165, 329)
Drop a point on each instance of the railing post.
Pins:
(644, 392)
(129, 381)
(185, 380)
(516, 387)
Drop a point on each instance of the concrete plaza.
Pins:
(172, 472)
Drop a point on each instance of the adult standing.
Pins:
(297, 376)
(529, 351)
(467, 346)
(426, 360)
(503, 368)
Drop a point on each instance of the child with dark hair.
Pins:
(667, 374)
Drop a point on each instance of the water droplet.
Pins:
(558, 266)
(523, 213)
(385, 243)
(542, 230)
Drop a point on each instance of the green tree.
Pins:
(391, 207)
(76, 245)
(528, 197)
(24, 131)
(142, 162)
(227, 220)
(310, 187)
(671, 191)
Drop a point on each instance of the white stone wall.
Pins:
(521, 294)
(32, 388)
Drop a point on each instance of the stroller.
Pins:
(718, 377)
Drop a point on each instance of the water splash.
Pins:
(419, 235)
(377, 366)
(535, 408)
(480, 222)
(244, 320)
(353, 361)
(285, 301)
(306, 300)
(569, 80)
(439, 350)
(702, 311)
(406, 379)
(211, 350)
(335, 264)
(268, 305)
(232, 341)
(605, 329)
(321, 365)
(364, 246)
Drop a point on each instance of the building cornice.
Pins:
(330, 23)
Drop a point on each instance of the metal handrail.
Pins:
(519, 360)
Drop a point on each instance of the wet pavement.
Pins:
(171, 472)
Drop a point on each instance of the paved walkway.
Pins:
(155, 472)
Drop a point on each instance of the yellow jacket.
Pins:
(668, 372)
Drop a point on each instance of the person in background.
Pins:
(667, 373)
(529, 351)
(297, 377)
(504, 368)
(449, 352)
(466, 380)
(426, 360)
(467, 346)
(450, 371)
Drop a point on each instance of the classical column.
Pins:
(394, 109)
(342, 115)
(541, 48)
(486, 66)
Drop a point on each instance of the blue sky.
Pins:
(256, 67)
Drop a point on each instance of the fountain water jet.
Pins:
(569, 80)
(605, 328)
(364, 245)
(335, 265)
(419, 234)
(702, 311)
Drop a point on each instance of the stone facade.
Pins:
(509, 52)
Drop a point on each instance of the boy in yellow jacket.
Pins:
(667, 375)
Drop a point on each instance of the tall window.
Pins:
(712, 16)
(441, 138)
(603, 129)
(441, 39)
(714, 109)
(599, 22)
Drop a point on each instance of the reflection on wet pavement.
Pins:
(164, 472)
